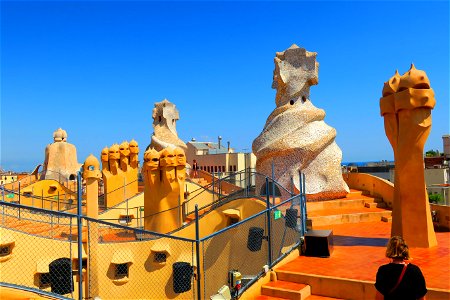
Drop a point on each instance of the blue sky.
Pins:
(96, 69)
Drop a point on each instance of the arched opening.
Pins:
(60, 271)
(263, 190)
(72, 177)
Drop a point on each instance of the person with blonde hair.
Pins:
(400, 279)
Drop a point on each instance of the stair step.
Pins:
(337, 204)
(286, 289)
(355, 192)
(386, 219)
(375, 204)
(352, 217)
(264, 297)
(316, 297)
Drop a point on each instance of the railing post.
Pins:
(212, 177)
(19, 198)
(273, 183)
(269, 224)
(180, 222)
(302, 189)
(80, 238)
(197, 252)
(3, 206)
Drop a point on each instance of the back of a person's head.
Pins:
(397, 248)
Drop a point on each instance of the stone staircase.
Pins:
(356, 207)
(200, 181)
(281, 290)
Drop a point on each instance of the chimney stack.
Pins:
(228, 146)
(220, 139)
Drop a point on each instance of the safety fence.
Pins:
(206, 197)
(59, 200)
(252, 246)
(71, 256)
(246, 178)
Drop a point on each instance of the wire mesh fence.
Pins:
(138, 264)
(54, 198)
(37, 250)
(286, 227)
(241, 248)
(69, 255)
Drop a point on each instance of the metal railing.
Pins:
(76, 257)
(58, 201)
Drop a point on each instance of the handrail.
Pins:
(35, 177)
(241, 189)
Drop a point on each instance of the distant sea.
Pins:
(363, 163)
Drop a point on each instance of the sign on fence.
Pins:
(276, 214)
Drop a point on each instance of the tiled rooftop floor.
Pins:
(359, 250)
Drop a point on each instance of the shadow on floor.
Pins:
(341, 240)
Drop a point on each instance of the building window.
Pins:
(121, 271)
(160, 257)
(5, 250)
(230, 168)
(234, 168)
(215, 169)
(223, 169)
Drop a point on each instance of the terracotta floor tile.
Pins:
(359, 250)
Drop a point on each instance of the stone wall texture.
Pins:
(295, 137)
(165, 115)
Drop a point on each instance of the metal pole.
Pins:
(197, 251)
(269, 223)
(302, 202)
(3, 206)
(273, 183)
(212, 174)
(124, 193)
(42, 198)
(179, 212)
(19, 198)
(80, 237)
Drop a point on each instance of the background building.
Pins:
(217, 159)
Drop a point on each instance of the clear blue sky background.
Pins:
(96, 69)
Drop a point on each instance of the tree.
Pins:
(432, 153)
